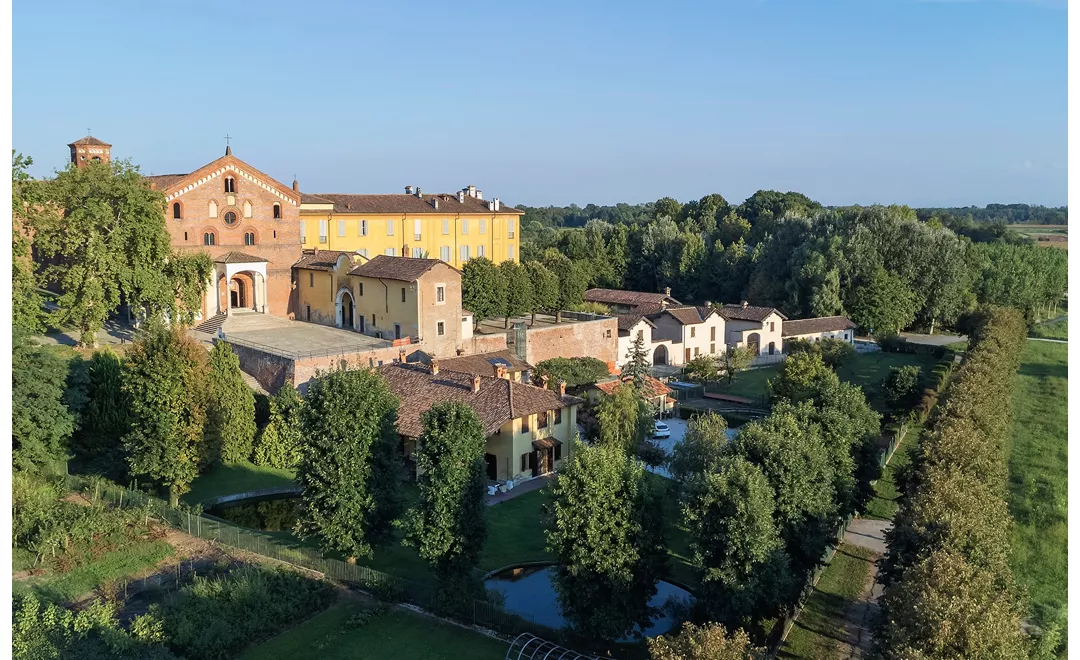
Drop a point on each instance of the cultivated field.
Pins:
(1046, 235)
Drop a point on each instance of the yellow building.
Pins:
(530, 430)
(451, 227)
(397, 298)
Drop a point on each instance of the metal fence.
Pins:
(384, 586)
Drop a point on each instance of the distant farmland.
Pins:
(1046, 235)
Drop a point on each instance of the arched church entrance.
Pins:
(659, 356)
(241, 292)
(346, 316)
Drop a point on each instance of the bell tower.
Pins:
(88, 150)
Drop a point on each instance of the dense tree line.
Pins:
(950, 588)
(1009, 214)
(887, 268)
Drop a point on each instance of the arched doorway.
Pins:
(346, 317)
(659, 356)
(753, 342)
(241, 292)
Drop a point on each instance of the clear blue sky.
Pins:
(893, 101)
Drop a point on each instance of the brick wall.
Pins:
(597, 338)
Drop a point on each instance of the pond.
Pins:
(268, 515)
(529, 591)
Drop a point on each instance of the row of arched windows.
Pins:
(210, 238)
(178, 211)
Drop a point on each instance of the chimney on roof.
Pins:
(479, 194)
(475, 384)
(500, 371)
(461, 196)
(418, 192)
(544, 381)
(408, 190)
(434, 367)
(435, 203)
(315, 251)
(491, 205)
(667, 291)
(295, 185)
(708, 304)
(496, 203)
(745, 304)
(401, 355)
(470, 191)
(562, 388)
(228, 150)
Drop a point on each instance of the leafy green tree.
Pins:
(883, 305)
(165, 380)
(110, 245)
(701, 449)
(901, 387)
(350, 468)
(666, 207)
(103, 421)
(448, 527)
(28, 205)
(734, 539)
(545, 288)
(575, 372)
(791, 453)
(519, 296)
(41, 423)
(797, 377)
(483, 288)
(708, 642)
(572, 279)
(835, 352)
(732, 229)
(734, 360)
(638, 367)
(282, 441)
(624, 418)
(606, 534)
(702, 369)
(947, 608)
(230, 414)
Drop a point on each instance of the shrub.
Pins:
(901, 387)
(214, 618)
(575, 371)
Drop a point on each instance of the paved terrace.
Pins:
(494, 326)
(296, 338)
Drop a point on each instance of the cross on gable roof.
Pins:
(175, 185)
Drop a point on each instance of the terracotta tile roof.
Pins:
(324, 260)
(401, 203)
(237, 258)
(653, 387)
(91, 140)
(798, 327)
(163, 181)
(483, 364)
(690, 315)
(406, 269)
(620, 297)
(628, 321)
(497, 402)
(749, 312)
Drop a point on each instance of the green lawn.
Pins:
(66, 587)
(815, 634)
(239, 478)
(1038, 477)
(394, 634)
(1054, 330)
(869, 369)
(749, 383)
(885, 500)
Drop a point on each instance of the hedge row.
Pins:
(950, 590)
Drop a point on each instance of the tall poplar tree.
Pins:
(545, 288)
(230, 417)
(351, 468)
(519, 294)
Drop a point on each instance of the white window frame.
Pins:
(341, 228)
(418, 253)
(464, 253)
(417, 224)
(391, 252)
(440, 328)
(446, 227)
(389, 227)
(464, 226)
(444, 253)
(510, 251)
(480, 250)
(440, 291)
(510, 226)
(483, 225)
(362, 252)
(322, 231)
(363, 227)
(303, 231)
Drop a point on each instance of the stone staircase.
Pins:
(211, 325)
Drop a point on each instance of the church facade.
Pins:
(249, 224)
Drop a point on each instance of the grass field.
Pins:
(1038, 477)
(869, 369)
(1054, 330)
(816, 633)
(749, 383)
(885, 500)
(394, 634)
(228, 479)
(66, 587)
